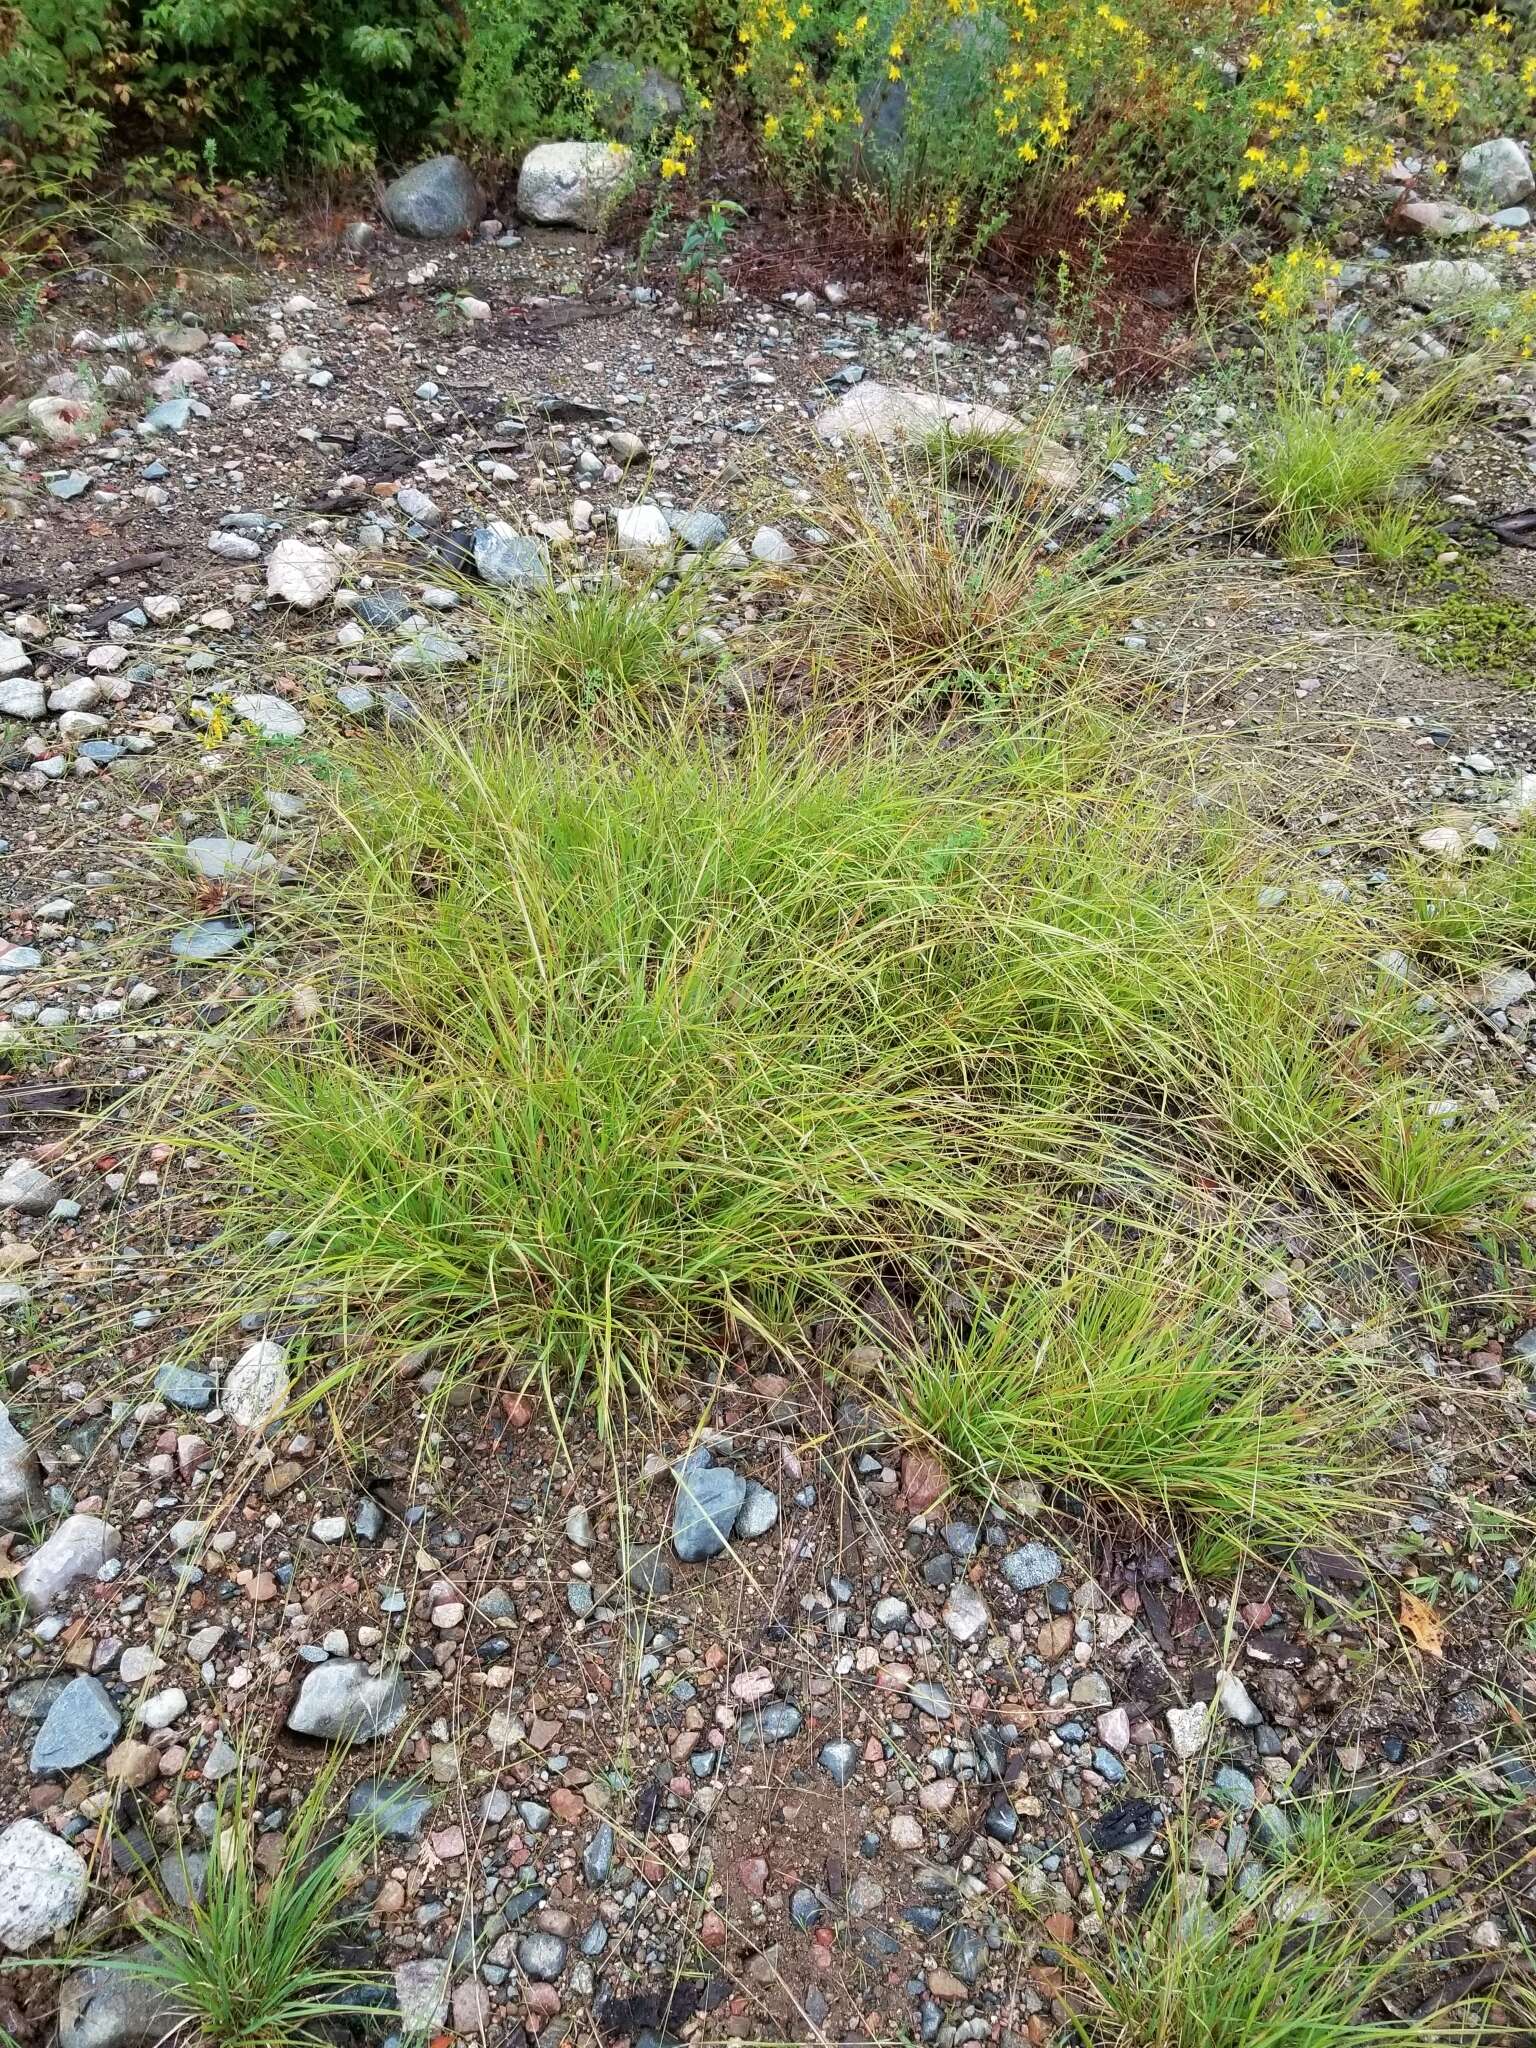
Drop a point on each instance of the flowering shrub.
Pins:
(956, 109)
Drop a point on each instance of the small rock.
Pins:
(759, 1513)
(1187, 1728)
(274, 717)
(215, 938)
(421, 1994)
(642, 531)
(257, 1387)
(509, 560)
(82, 1725)
(839, 1759)
(541, 1957)
(43, 1885)
(343, 1702)
(77, 1549)
(965, 1613)
(27, 1189)
(1444, 278)
(709, 1498)
(1496, 174)
(1031, 1566)
(22, 1500)
(769, 545)
(301, 574)
(433, 200)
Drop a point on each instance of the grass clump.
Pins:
(1476, 915)
(620, 1050)
(249, 1964)
(1147, 1391)
(946, 580)
(1334, 461)
(606, 645)
(1281, 1963)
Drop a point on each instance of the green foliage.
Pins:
(523, 62)
(1133, 1378)
(59, 62)
(249, 1961)
(705, 240)
(1476, 629)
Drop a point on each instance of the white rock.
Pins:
(965, 1613)
(642, 530)
(272, 716)
(1232, 1696)
(234, 547)
(43, 1883)
(1497, 174)
(77, 1549)
(890, 414)
(769, 545)
(571, 184)
(418, 506)
(1444, 841)
(27, 1188)
(221, 860)
(257, 1386)
(301, 574)
(164, 1708)
(22, 697)
(1186, 1728)
(1443, 278)
(14, 658)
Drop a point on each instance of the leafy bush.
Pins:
(525, 60)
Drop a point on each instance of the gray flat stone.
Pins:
(82, 1725)
(343, 1702)
(709, 1498)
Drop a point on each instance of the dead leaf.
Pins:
(1422, 1624)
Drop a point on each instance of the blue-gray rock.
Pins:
(22, 1499)
(182, 1387)
(541, 1957)
(82, 1725)
(382, 610)
(214, 939)
(839, 1759)
(759, 1512)
(628, 100)
(73, 485)
(930, 1699)
(107, 2006)
(509, 560)
(170, 416)
(967, 1953)
(399, 1809)
(1031, 1566)
(776, 1722)
(804, 1907)
(1232, 1787)
(597, 1857)
(433, 200)
(31, 1700)
(698, 531)
(709, 1498)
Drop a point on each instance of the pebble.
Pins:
(82, 1724)
(709, 1498)
(1030, 1567)
(343, 1702)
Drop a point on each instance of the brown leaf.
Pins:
(1421, 1622)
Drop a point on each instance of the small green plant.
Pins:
(705, 240)
(1293, 1960)
(1141, 1387)
(615, 644)
(1334, 459)
(1476, 630)
(248, 1962)
(1522, 1605)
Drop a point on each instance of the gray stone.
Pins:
(181, 1387)
(170, 416)
(43, 1883)
(273, 717)
(1497, 173)
(541, 1957)
(1031, 1566)
(597, 1857)
(839, 1759)
(630, 101)
(571, 184)
(214, 939)
(257, 1386)
(107, 2006)
(14, 658)
(965, 1613)
(779, 1721)
(709, 1498)
(22, 696)
(893, 414)
(509, 560)
(698, 531)
(82, 1725)
(218, 859)
(1445, 278)
(759, 1512)
(21, 1479)
(27, 1189)
(421, 1994)
(930, 1699)
(343, 1702)
(433, 200)
(77, 1549)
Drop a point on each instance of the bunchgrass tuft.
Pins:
(1324, 1950)
(1334, 463)
(1135, 1382)
(949, 578)
(251, 1962)
(609, 643)
(620, 1049)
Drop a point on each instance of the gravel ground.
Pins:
(780, 1741)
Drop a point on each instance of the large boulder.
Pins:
(1497, 174)
(434, 200)
(629, 100)
(1443, 279)
(890, 415)
(571, 184)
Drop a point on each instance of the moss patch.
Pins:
(1475, 629)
